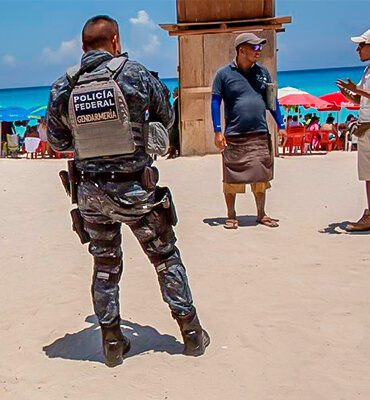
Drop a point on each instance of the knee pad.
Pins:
(166, 261)
(107, 269)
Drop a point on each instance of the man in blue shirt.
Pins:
(247, 91)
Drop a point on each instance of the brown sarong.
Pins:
(247, 159)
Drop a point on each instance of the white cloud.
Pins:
(143, 20)
(8, 60)
(68, 51)
(153, 44)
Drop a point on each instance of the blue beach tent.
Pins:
(11, 114)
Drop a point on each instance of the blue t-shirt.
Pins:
(244, 96)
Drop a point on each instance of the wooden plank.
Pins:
(269, 10)
(223, 10)
(224, 42)
(191, 61)
(246, 9)
(278, 20)
(192, 124)
(194, 90)
(201, 25)
(181, 10)
(214, 10)
(204, 10)
(220, 30)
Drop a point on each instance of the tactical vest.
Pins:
(98, 112)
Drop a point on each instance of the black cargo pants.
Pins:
(104, 206)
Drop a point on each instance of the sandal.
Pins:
(231, 224)
(267, 221)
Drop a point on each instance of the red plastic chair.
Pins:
(295, 138)
(308, 137)
(324, 140)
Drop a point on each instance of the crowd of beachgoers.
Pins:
(317, 135)
(20, 137)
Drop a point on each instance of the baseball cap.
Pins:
(249, 38)
(364, 38)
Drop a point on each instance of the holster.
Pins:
(63, 175)
(78, 226)
(70, 180)
(73, 180)
(149, 178)
(169, 206)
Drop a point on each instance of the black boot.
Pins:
(196, 339)
(115, 345)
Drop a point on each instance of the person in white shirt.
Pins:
(360, 94)
(41, 129)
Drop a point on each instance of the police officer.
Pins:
(105, 123)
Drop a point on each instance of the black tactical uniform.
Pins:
(111, 191)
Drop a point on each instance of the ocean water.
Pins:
(317, 82)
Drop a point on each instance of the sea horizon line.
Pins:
(168, 78)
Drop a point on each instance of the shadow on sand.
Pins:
(86, 344)
(244, 220)
(339, 228)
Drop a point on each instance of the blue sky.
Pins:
(40, 39)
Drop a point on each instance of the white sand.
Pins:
(287, 309)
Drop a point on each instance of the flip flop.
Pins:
(270, 222)
(231, 224)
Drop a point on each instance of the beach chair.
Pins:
(338, 144)
(295, 138)
(308, 142)
(31, 145)
(12, 145)
(351, 142)
(325, 141)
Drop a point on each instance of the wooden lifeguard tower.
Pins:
(206, 31)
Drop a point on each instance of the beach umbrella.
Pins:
(37, 112)
(303, 99)
(338, 101)
(289, 90)
(11, 114)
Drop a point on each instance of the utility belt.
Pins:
(148, 177)
(107, 176)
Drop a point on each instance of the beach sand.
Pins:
(287, 309)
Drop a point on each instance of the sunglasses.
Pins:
(257, 47)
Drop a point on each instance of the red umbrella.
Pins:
(338, 100)
(304, 99)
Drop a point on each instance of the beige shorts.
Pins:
(234, 188)
(363, 147)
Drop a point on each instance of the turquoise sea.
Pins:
(315, 81)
